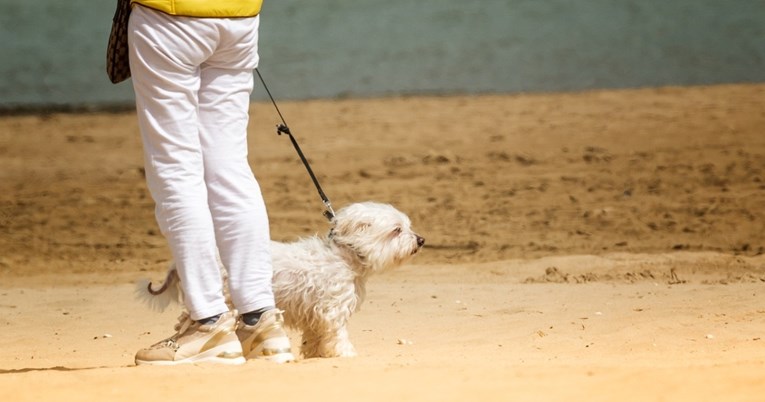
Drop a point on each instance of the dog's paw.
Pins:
(347, 353)
(344, 349)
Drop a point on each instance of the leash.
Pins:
(282, 128)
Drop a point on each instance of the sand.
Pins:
(605, 245)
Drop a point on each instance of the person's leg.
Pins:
(234, 197)
(238, 210)
(165, 53)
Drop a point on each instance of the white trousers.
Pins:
(192, 79)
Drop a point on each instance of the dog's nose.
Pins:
(420, 241)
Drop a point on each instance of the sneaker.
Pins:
(196, 343)
(266, 339)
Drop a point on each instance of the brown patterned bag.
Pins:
(117, 52)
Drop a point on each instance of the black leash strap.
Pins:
(284, 129)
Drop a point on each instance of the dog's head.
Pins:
(379, 235)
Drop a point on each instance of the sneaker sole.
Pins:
(211, 360)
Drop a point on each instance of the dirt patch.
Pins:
(484, 178)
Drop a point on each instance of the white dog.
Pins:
(320, 281)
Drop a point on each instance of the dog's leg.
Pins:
(339, 344)
(310, 346)
(327, 343)
(334, 340)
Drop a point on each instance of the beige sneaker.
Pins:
(196, 343)
(266, 339)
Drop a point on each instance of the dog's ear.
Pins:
(348, 227)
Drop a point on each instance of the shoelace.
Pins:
(183, 324)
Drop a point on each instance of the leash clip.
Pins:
(329, 213)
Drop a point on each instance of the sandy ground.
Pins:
(595, 246)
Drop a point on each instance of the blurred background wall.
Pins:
(52, 51)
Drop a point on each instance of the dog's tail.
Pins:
(161, 298)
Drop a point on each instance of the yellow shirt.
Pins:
(205, 8)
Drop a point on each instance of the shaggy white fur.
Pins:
(320, 281)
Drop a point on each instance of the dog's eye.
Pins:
(397, 231)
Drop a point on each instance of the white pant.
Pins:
(192, 79)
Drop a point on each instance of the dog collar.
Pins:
(350, 250)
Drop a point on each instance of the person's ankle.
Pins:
(252, 317)
(210, 320)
